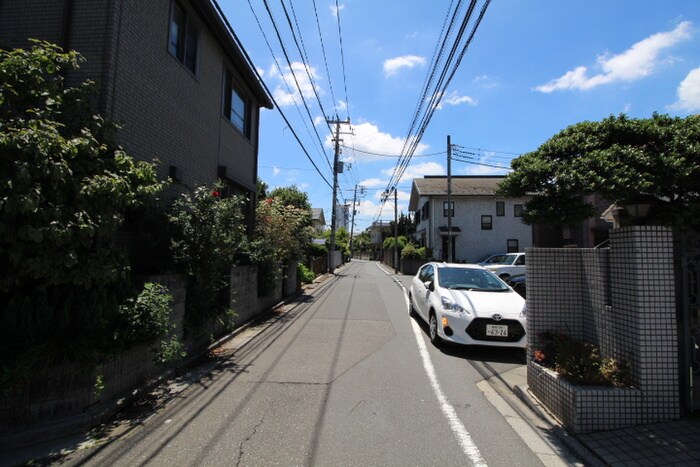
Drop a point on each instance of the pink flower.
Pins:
(216, 194)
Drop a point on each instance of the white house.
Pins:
(482, 223)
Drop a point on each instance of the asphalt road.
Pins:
(342, 377)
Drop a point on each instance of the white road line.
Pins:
(460, 432)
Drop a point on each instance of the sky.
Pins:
(532, 68)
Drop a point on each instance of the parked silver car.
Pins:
(467, 304)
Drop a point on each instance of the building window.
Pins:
(183, 38)
(518, 210)
(445, 209)
(236, 107)
(426, 210)
(486, 222)
(513, 246)
(500, 208)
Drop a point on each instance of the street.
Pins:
(345, 377)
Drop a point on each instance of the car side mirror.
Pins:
(430, 286)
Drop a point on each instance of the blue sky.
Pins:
(533, 68)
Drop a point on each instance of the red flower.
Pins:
(268, 200)
(216, 194)
(539, 356)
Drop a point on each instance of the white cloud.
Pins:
(371, 144)
(335, 10)
(635, 63)
(318, 120)
(455, 99)
(689, 93)
(260, 71)
(341, 105)
(486, 82)
(373, 182)
(281, 92)
(393, 65)
(276, 171)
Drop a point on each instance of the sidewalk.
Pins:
(675, 443)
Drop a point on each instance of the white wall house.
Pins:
(482, 223)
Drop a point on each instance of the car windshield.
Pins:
(501, 259)
(470, 279)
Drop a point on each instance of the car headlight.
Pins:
(449, 305)
(523, 312)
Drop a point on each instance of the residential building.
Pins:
(170, 72)
(482, 222)
(318, 222)
(378, 231)
(342, 216)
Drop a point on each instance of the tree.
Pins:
(64, 191)
(291, 196)
(627, 161)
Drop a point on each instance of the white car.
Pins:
(467, 304)
(505, 265)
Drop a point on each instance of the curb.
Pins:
(569, 440)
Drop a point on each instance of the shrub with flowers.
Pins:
(282, 233)
(580, 362)
(208, 238)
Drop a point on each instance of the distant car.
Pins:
(518, 284)
(467, 304)
(506, 264)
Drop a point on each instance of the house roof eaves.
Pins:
(214, 17)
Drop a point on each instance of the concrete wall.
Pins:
(68, 390)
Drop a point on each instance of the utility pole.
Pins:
(336, 154)
(396, 234)
(449, 200)
(352, 222)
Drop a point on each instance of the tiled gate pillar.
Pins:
(643, 315)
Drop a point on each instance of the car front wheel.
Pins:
(411, 310)
(433, 330)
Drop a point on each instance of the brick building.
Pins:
(170, 72)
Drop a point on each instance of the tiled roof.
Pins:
(461, 186)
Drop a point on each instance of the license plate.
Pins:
(497, 330)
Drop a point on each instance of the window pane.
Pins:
(177, 27)
(500, 208)
(238, 111)
(512, 246)
(445, 209)
(486, 222)
(518, 210)
(190, 58)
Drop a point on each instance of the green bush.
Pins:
(411, 251)
(145, 317)
(305, 274)
(316, 250)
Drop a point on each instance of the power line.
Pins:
(291, 69)
(391, 155)
(342, 59)
(267, 90)
(323, 50)
(449, 68)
